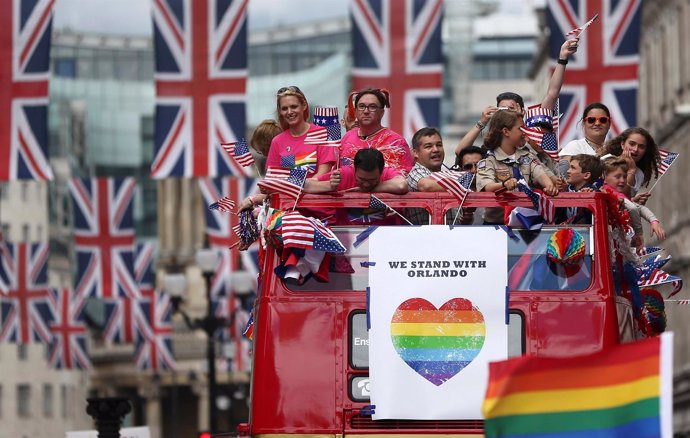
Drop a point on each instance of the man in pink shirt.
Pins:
(367, 175)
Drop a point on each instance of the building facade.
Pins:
(664, 110)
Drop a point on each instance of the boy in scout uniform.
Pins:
(508, 160)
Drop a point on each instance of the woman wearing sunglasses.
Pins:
(641, 153)
(596, 121)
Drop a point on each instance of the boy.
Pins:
(582, 172)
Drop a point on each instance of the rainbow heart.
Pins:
(437, 343)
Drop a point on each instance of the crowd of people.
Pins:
(374, 158)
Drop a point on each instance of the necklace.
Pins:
(596, 146)
(364, 137)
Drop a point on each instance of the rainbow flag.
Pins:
(623, 391)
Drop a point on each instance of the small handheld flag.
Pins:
(240, 152)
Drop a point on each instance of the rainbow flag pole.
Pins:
(624, 391)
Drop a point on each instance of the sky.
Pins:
(132, 17)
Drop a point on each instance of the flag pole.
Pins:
(403, 217)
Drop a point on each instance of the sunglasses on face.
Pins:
(469, 166)
(292, 88)
(603, 120)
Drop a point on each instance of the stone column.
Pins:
(108, 413)
(152, 394)
(200, 389)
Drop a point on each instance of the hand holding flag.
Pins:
(542, 203)
(575, 33)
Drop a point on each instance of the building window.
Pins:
(22, 351)
(3, 190)
(65, 67)
(6, 232)
(25, 233)
(63, 400)
(48, 400)
(39, 233)
(25, 191)
(23, 400)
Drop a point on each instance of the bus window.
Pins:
(351, 260)
(529, 268)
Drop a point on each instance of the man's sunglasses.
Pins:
(603, 120)
(469, 166)
(292, 88)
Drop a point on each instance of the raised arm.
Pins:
(473, 133)
(568, 48)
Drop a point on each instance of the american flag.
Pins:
(68, 349)
(153, 344)
(25, 32)
(547, 140)
(666, 158)
(224, 204)
(240, 152)
(605, 68)
(397, 45)
(285, 181)
(308, 233)
(219, 229)
(104, 236)
(376, 204)
(542, 203)
(650, 265)
(25, 309)
(321, 137)
(456, 183)
(327, 116)
(575, 33)
(660, 277)
(201, 75)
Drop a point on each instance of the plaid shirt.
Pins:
(420, 216)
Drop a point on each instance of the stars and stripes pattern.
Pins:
(239, 151)
(24, 308)
(666, 158)
(327, 116)
(25, 34)
(220, 231)
(377, 204)
(660, 277)
(542, 203)
(68, 348)
(456, 183)
(650, 265)
(322, 137)
(308, 233)
(285, 181)
(153, 345)
(605, 67)
(201, 74)
(397, 45)
(104, 236)
(224, 204)
(538, 116)
(546, 140)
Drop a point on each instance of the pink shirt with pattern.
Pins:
(291, 152)
(394, 148)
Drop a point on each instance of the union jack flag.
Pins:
(397, 45)
(542, 203)
(237, 347)
(605, 67)
(25, 308)
(104, 236)
(153, 345)
(219, 229)
(68, 349)
(121, 322)
(666, 158)
(25, 32)
(201, 75)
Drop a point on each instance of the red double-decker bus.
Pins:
(311, 356)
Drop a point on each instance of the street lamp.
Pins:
(175, 284)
